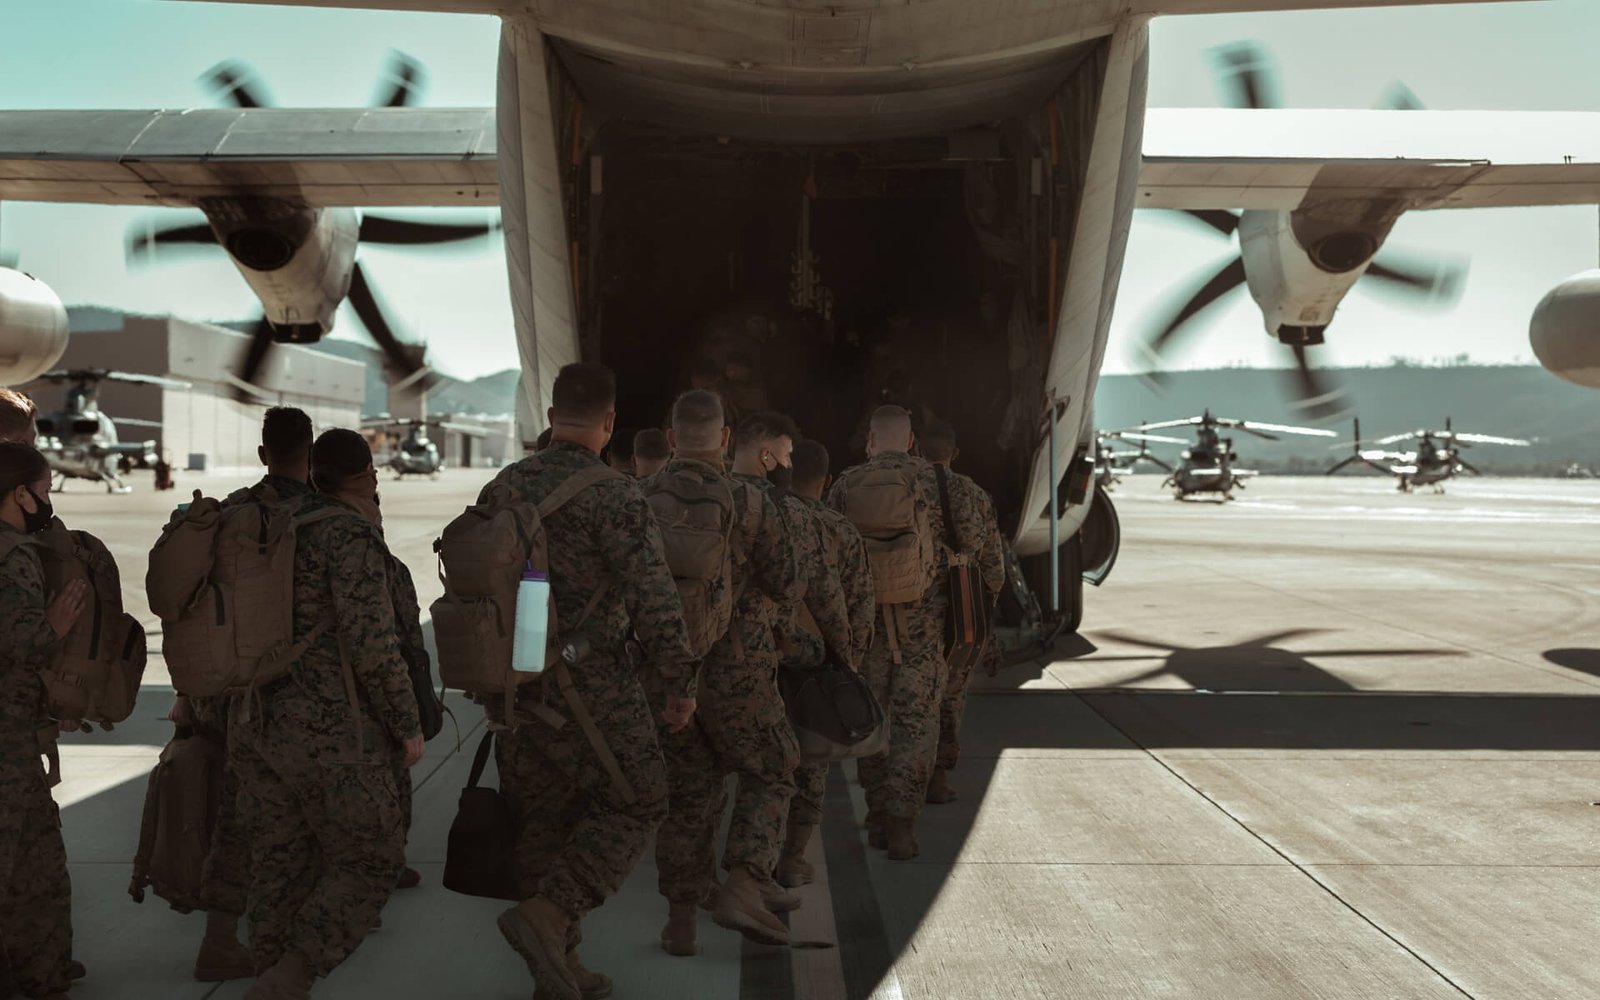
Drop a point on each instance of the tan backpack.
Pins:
(482, 554)
(95, 674)
(181, 803)
(881, 501)
(697, 521)
(221, 579)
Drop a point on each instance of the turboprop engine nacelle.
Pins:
(297, 260)
(33, 327)
(1300, 267)
(1565, 330)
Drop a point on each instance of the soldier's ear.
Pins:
(727, 435)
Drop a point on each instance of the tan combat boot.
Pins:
(902, 837)
(678, 937)
(776, 898)
(289, 979)
(410, 878)
(739, 908)
(537, 929)
(221, 956)
(793, 868)
(591, 985)
(940, 790)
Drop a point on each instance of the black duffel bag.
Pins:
(480, 857)
(833, 712)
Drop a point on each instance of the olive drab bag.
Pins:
(221, 579)
(697, 521)
(966, 623)
(181, 804)
(482, 554)
(95, 673)
(881, 501)
(480, 854)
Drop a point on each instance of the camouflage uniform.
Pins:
(839, 555)
(578, 836)
(35, 890)
(740, 726)
(318, 793)
(978, 531)
(413, 650)
(896, 782)
(225, 877)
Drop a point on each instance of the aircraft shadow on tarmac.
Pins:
(1586, 661)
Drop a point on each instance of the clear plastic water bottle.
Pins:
(533, 622)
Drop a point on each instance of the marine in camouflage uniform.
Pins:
(35, 890)
(414, 651)
(837, 555)
(318, 790)
(740, 726)
(896, 782)
(579, 836)
(978, 532)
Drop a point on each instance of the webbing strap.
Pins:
(891, 627)
(572, 486)
(597, 741)
(944, 507)
(480, 759)
(349, 675)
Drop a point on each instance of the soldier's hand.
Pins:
(66, 607)
(413, 750)
(181, 711)
(678, 713)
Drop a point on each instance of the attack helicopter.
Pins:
(80, 440)
(1436, 459)
(1207, 466)
(416, 454)
(1110, 463)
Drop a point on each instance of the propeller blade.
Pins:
(1246, 75)
(172, 236)
(404, 76)
(1467, 465)
(255, 356)
(405, 360)
(1318, 399)
(1339, 466)
(1400, 97)
(1158, 463)
(231, 84)
(1222, 220)
(1439, 281)
(405, 232)
(1224, 281)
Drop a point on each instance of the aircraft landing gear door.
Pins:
(1099, 539)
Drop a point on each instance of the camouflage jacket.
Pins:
(834, 565)
(341, 575)
(407, 614)
(770, 576)
(607, 537)
(270, 488)
(27, 643)
(977, 529)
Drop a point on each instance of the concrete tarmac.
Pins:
(1327, 741)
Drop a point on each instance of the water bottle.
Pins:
(533, 622)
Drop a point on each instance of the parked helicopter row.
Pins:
(1208, 466)
(80, 440)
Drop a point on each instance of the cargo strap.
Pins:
(895, 628)
(597, 740)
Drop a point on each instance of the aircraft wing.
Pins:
(1203, 158)
(322, 158)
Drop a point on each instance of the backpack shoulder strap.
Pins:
(480, 759)
(953, 538)
(574, 485)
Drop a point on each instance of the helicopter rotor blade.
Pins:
(1224, 281)
(1468, 466)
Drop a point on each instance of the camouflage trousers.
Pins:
(810, 785)
(896, 782)
(225, 876)
(953, 707)
(740, 728)
(578, 836)
(325, 827)
(35, 890)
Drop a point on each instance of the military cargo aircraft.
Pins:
(878, 146)
(80, 440)
(1437, 457)
(1207, 466)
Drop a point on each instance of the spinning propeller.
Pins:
(1249, 80)
(235, 84)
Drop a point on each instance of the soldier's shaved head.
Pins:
(697, 422)
(938, 441)
(890, 430)
(339, 454)
(583, 395)
(17, 416)
(810, 463)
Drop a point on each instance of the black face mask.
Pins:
(36, 521)
(782, 477)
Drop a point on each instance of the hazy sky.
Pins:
(150, 54)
